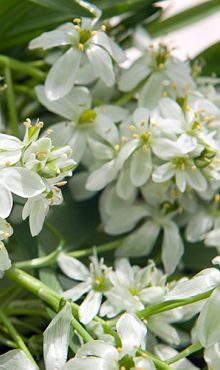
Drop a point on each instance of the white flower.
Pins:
(94, 281)
(133, 288)
(56, 340)
(95, 46)
(101, 355)
(162, 73)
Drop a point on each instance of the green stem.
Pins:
(45, 293)
(160, 365)
(12, 111)
(16, 337)
(14, 294)
(22, 89)
(101, 248)
(186, 352)
(25, 68)
(26, 311)
(170, 305)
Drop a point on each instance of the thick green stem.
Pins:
(15, 336)
(12, 111)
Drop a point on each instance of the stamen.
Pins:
(49, 131)
(132, 127)
(136, 136)
(116, 147)
(61, 183)
(77, 28)
(103, 27)
(81, 47)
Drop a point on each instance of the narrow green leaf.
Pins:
(79, 8)
(210, 58)
(184, 18)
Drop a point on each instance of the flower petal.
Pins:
(101, 63)
(72, 267)
(62, 75)
(90, 306)
(16, 360)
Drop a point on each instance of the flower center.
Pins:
(87, 116)
(99, 283)
(126, 363)
(84, 36)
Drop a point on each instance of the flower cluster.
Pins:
(32, 169)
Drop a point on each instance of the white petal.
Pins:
(170, 109)
(77, 291)
(62, 75)
(16, 360)
(56, 339)
(101, 63)
(172, 247)
(50, 39)
(101, 177)
(37, 216)
(126, 151)
(22, 182)
(141, 167)
(90, 306)
(100, 150)
(196, 180)
(152, 91)
(163, 173)
(113, 49)
(124, 219)
(125, 189)
(143, 238)
(131, 331)
(71, 106)
(131, 77)
(9, 142)
(85, 363)
(72, 267)
(209, 320)
(6, 201)
(5, 262)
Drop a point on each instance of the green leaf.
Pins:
(183, 19)
(210, 57)
(78, 8)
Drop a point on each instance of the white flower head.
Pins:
(95, 282)
(94, 46)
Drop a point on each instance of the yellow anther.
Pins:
(115, 359)
(151, 46)
(61, 183)
(59, 196)
(198, 127)
(154, 124)
(172, 193)
(119, 349)
(77, 20)
(179, 195)
(47, 210)
(182, 166)
(103, 27)
(94, 33)
(57, 190)
(217, 197)
(196, 114)
(173, 165)
(6, 235)
(144, 147)
(161, 65)
(51, 202)
(161, 44)
(143, 122)
(216, 160)
(144, 355)
(39, 124)
(109, 130)
(124, 138)
(7, 224)
(77, 28)
(104, 108)
(136, 136)
(212, 117)
(188, 109)
(8, 163)
(166, 205)
(189, 85)
(81, 47)
(116, 147)
(1, 247)
(136, 346)
(164, 94)
(132, 127)
(174, 86)
(193, 168)
(155, 53)
(180, 209)
(122, 368)
(189, 92)
(168, 55)
(28, 120)
(207, 118)
(202, 110)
